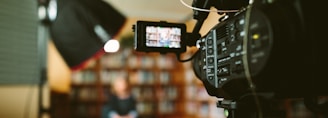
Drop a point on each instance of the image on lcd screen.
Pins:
(166, 37)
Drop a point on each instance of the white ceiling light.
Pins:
(112, 46)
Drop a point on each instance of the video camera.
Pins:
(267, 49)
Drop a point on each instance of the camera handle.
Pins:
(237, 109)
(244, 107)
(200, 16)
(229, 105)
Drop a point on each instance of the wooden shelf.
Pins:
(154, 80)
(159, 83)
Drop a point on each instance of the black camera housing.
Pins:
(151, 37)
(284, 52)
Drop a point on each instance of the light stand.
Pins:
(47, 12)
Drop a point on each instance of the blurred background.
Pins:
(52, 62)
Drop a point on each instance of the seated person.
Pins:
(121, 102)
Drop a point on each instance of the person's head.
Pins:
(120, 85)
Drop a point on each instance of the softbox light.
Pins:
(73, 31)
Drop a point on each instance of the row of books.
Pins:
(164, 77)
(195, 92)
(138, 77)
(145, 93)
(137, 61)
(161, 62)
(149, 93)
(166, 107)
(204, 110)
(166, 62)
(142, 77)
(146, 107)
(167, 93)
(113, 61)
(84, 111)
(107, 77)
(83, 77)
(163, 107)
(84, 94)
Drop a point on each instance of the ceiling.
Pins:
(154, 9)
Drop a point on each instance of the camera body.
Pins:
(272, 46)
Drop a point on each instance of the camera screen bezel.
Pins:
(140, 37)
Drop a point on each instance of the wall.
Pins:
(20, 101)
(19, 60)
(59, 74)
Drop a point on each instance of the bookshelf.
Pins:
(163, 87)
(153, 78)
(84, 95)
